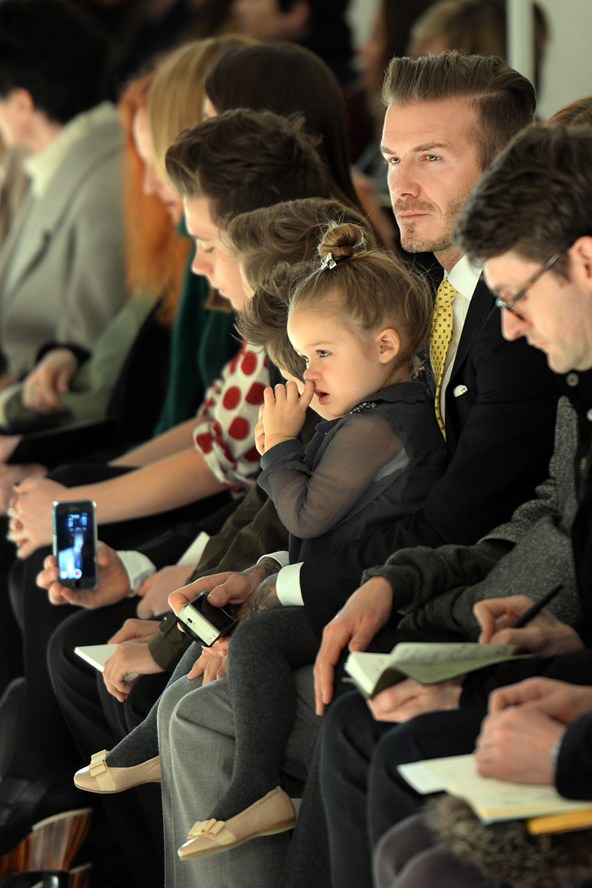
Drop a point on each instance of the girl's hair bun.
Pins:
(342, 241)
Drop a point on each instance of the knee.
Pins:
(172, 707)
(262, 631)
(60, 646)
(342, 738)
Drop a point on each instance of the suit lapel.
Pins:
(482, 302)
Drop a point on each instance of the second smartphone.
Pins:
(75, 543)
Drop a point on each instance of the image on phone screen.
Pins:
(75, 544)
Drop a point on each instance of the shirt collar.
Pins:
(42, 166)
(464, 277)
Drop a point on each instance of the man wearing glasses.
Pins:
(529, 223)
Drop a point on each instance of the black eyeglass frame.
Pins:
(509, 304)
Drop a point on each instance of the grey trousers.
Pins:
(196, 740)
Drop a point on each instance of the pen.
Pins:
(536, 608)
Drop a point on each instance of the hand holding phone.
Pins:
(75, 543)
(204, 622)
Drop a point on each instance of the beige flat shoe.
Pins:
(99, 777)
(272, 814)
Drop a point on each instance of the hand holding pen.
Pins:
(536, 608)
(518, 620)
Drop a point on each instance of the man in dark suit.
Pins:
(539, 261)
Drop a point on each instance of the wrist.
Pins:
(265, 567)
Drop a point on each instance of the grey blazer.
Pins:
(62, 267)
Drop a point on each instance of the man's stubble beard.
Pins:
(412, 243)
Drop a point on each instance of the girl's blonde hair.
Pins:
(176, 96)
(369, 289)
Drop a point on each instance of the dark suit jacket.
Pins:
(500, 414)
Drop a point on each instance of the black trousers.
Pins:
(95, 720)
(308, 859)
(363, 793)
(44, 744)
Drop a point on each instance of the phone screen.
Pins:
(75, 544)
(204, 622)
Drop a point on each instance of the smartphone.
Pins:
(204, 622)
(75, 543)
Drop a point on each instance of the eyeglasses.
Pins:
(510, 304)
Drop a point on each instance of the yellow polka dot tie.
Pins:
(440, 339)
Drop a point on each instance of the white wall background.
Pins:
(568, 67)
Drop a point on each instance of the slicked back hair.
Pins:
(504, 100)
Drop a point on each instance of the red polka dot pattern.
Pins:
(232, 397)
(255, 394)
(239, 429)
(249, 364)
(225, 433)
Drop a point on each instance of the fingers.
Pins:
(211, 665)
(104, 554)
(63, 382)
(390, 700)
(260, 433)
(130, 629)
(178, 600)
(49, 574)
(522, 692)
(215, 668)
(197, 670)
(56, 596)
(222, 594)
(324, 684)
(268, 397)
(119, 687)
(362, 636)
(40, 395)
(180, 597)
(335, 639)
(144, 609)
(354, 630)
(494, 614)
(287, 393)
(307, 393)
(79, 597)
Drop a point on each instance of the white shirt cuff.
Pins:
(282, 557)
(288, 585)
(138, 567)
(192, 555)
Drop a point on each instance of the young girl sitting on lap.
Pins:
(357, 319)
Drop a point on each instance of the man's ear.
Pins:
(581, 255)
(388, 342)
